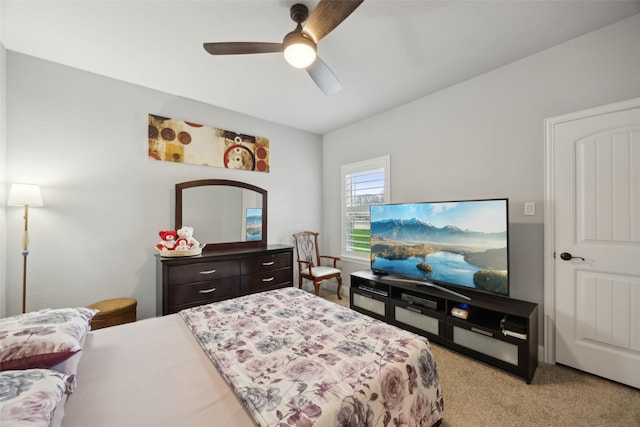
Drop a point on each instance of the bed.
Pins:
(278, 358)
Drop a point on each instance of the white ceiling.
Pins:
(387, 53)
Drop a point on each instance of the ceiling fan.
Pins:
(300, 45)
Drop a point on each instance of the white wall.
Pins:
(485, 138)
(3, 194)
(83, 137)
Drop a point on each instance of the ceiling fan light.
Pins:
(299, 51)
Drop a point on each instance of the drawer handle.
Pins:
(268, 280)
(208, 272)
(207, 291)
(268, 263)
(414, 309)
(482, 332)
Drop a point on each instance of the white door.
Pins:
(596, 210)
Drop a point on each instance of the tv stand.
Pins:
(426, 309)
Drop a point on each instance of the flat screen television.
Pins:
(254, 224)
(458, 244)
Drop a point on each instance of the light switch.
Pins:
(529, 208)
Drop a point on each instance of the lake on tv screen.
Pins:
(447, 267)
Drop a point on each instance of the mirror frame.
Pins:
(224, 182)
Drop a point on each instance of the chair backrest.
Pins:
(307, 246)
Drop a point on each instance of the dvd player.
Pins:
(422, 302)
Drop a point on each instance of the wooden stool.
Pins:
(113, 312)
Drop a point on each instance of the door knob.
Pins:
(567, 256)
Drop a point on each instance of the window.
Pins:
(363, 184)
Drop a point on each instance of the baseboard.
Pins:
(330, 285)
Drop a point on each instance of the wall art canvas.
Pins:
(174, 140)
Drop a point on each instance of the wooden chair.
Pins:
(310, 261)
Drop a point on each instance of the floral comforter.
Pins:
(296, 359)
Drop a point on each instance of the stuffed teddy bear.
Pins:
(186, 233)
(168, 240)
(183, 245)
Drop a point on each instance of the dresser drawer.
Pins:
(202, 271)
(204, 292)
(266, 263)
(267, 280)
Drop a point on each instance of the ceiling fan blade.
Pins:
(327, 15)
(240, 48)
(324, 77)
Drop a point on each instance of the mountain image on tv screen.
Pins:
(462, 243)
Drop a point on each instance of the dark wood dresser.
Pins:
(219, 275)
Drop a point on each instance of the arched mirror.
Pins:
(223, 213)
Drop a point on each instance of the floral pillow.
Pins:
(43, 339)
(32, 397)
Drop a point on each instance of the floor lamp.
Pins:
(25, 195)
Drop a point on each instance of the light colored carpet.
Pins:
(478, 395)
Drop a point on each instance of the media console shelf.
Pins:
(426, 311)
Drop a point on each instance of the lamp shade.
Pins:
(25, 195)
(299, 50)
